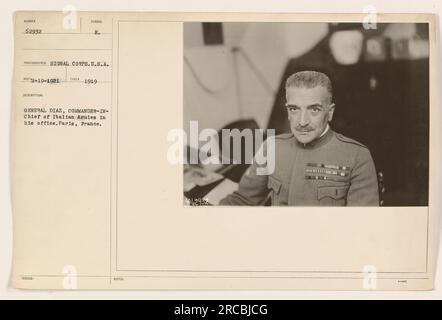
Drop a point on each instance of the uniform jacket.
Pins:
(332, 170)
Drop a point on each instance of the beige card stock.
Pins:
(97, 205)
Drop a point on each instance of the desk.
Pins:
(232, 172)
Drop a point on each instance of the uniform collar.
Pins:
(325, 130)
(323, 139)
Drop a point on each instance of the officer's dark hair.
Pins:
(310, 79)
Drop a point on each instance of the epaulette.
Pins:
(284, 136)
(349, 140)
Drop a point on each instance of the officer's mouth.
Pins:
(304, 133)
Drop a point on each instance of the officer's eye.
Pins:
(292, 108)
(315, 109)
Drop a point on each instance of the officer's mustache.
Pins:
(304, 129)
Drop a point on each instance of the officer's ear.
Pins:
(331, 109)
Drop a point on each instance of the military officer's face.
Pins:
(309, 111)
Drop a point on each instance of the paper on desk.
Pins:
(196, 176)
(220, 191)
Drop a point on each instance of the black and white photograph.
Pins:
(305, 114)
(225, 152)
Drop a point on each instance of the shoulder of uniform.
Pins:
(345, 139)
(284, 136)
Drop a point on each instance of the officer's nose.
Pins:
(304, 119)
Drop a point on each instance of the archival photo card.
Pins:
(224, 151)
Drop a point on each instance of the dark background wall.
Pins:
(384, 105)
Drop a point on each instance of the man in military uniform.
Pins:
(314, 166)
